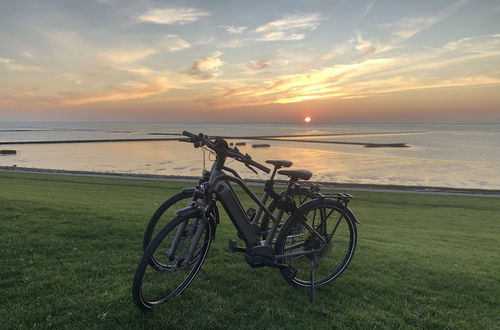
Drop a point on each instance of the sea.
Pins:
(457, 155)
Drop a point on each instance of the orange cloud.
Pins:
(453, 65)
(207, 67)
(136, 91)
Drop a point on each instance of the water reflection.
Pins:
(345, 164)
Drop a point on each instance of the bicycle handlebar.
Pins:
(224, 149)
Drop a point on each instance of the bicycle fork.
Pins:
(198, 226)
(201, 224)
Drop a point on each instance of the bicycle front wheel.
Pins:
(164, 214)
(334, 248)
(180, 248)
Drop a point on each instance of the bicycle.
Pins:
(306, 237)
(299, 194)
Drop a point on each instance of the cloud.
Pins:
(258, 65)
(173, 43)
(126, 55)
(406, 28)
(205, 41)
(70, 77)
(172, 15)
(235, 29)
(27, 54)
(132, 90)
(368, 9)
(170, 43)
(235, 43)
(365, 47)
(288, 27)
(455, 64)
(23, 67)
(489, 44)
(291, 22)
(281, 36)
(207, 67)
(11, 65)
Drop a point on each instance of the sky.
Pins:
(281, 60)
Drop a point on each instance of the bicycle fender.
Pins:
(353, 216)
(189, 212)
(188, 190)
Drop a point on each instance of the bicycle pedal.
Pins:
(233, 247)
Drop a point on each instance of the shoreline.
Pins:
(326, 185)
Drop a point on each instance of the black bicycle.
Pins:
(313, 246)
(260, 221)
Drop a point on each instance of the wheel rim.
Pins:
(162, 218)
(333, 256)
(158, 287)
(165, 214)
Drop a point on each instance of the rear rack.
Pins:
(343, 198)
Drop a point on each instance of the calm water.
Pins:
(447, 155)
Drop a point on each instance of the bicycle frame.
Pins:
(219, 184)
(238, 216)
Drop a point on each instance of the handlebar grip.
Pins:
(191, 135)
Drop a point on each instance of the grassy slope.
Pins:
(69, 246)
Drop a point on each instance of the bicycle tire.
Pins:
(300, 195)
(165, 213)
(151, 287)
(335, 254)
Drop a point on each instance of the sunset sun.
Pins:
(307, 120)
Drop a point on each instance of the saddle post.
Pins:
(267, 191)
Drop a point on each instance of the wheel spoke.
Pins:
(337, 223)
(324, 229)
(155, 285)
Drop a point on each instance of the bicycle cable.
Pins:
(204, 160)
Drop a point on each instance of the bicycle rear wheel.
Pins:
(170, 249)
(337, 227)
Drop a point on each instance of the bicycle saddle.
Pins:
(297, 174)
(280, 163)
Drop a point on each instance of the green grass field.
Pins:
(69, 246)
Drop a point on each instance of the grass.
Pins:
(69, 247)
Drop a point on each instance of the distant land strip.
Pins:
(261, 137)
(87, 141)
(365, 144)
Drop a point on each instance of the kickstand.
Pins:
(314, 265)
